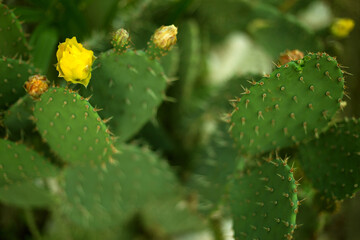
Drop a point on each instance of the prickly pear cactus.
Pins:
(168, 131)
(12, 40)
(295, 102)
(99, 196)
(264, 202)
(23, 172)
(207, 181)
(129, 87)
(72, 127)
(18, 118)
(14, 73)
(332, 161)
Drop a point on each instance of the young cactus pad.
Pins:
(14, 73)
(12, 38)
(129, 87)
(332, 162)
(72, 127)
(264, 202)
(19, 168)
(103, 196)
(208, 181)
(296, 101)
(170, 217)
(18, 117)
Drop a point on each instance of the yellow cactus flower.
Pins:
(74, 62)
(342, 27)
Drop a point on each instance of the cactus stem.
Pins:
(30, 221)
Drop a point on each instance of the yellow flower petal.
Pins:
(74, 62)
(342, 27)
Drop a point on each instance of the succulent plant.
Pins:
(138, 143)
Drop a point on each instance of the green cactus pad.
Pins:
(18, 117)
(129, 87)
(27, 194)
(332, 162)
(63, 229)
(276, 31)
(20, 168)
(267, 25)
(190, 57)
(308, 219)
(19, 164)
(14, 73)
(170, 62)
(12, 38)
(102, 196)
(170, 217)
(72, 127)
(264, 201)
(213, 166)
(295, 102)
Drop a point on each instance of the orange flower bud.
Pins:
(36, 85)
(289, 56)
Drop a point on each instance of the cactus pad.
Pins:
(264, 202)
(332, 162)
(14, 73)
(129, 87)
(19, 168)
(295, 102)
(18, 117)
(170, 217)
(267, 25)
(102, 196)
(72, 127)
(12, 38)
(214, 165)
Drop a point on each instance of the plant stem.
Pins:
(30, 221)
(217, 229)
